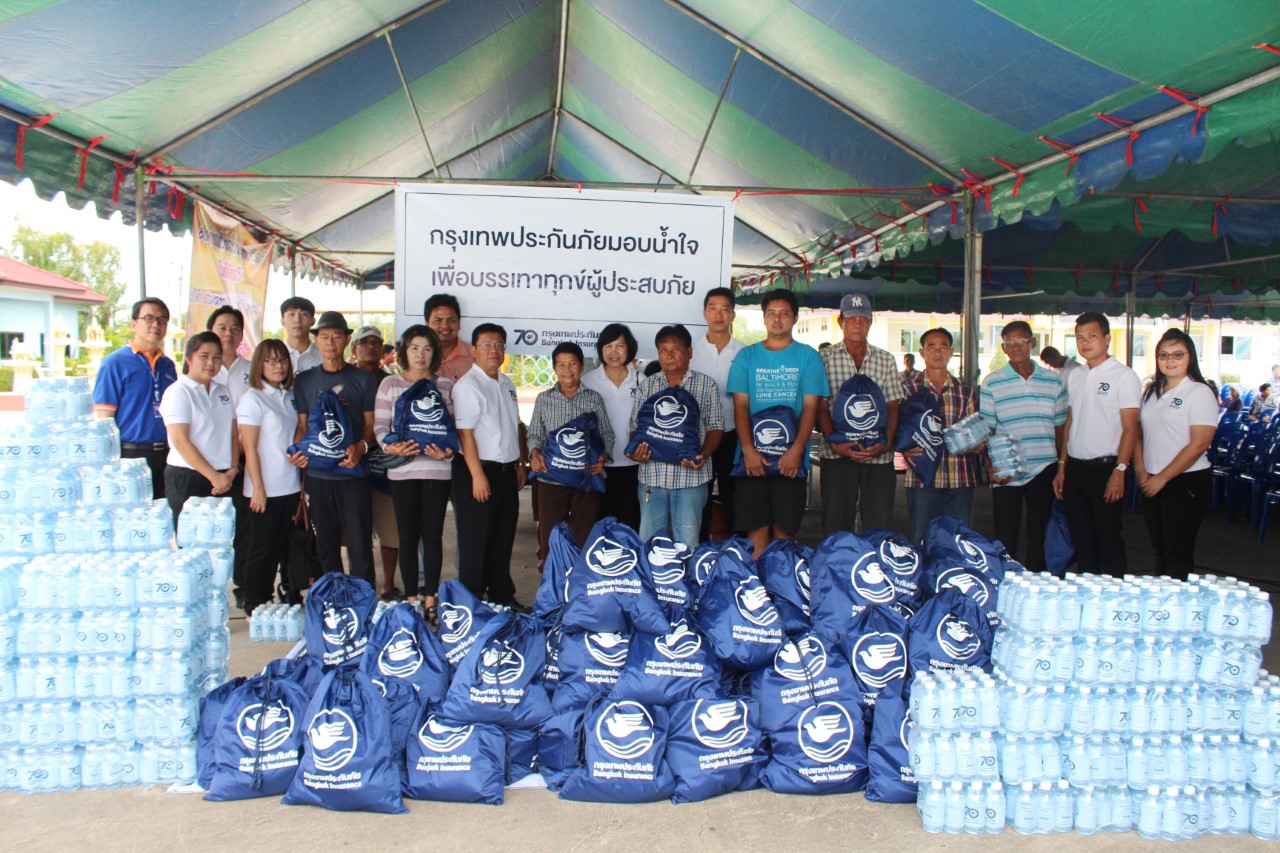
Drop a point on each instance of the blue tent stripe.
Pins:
(976, 56)
(616, 161)
(74, 53)
(674, 37)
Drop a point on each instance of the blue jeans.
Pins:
(676, 510)
(927, 503)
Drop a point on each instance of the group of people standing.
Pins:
(224, 426)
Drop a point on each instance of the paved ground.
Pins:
(148, 819)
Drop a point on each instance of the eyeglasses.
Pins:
(487, 345)
(1176, 356)
(274, 360)
(443, 321)
(1016, 342)
(151, 319)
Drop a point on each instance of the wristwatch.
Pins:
(1122, 467)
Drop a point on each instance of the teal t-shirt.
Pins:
(778, 377)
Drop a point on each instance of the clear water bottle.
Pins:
(1264, 815)
(953, 808)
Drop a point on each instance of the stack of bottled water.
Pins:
(275, 623)
(966, 433)
(1007, 459)
(107, 638)
(954, 752)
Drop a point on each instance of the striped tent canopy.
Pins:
(852, 134)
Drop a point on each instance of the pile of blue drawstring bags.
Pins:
(645, 673)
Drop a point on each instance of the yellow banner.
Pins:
(227, 268)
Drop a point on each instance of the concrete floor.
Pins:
(148, 819)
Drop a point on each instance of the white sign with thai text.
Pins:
(554, 265)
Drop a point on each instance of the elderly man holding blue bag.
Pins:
(568, 437)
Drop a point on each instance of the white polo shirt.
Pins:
(716, 363)
(210, 416)
(304, 359)
(236, 378)
(1167, 422)
(488, 406)
(271, 411)
(1096, 396)
(618, 400)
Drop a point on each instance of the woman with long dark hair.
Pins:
(617, 381)
(1178, 416)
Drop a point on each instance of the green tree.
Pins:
(96, 265)
(998, 361)
(747, 336)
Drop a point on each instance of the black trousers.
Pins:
(1173, 520)
(486, 531)
(620, 499)
(1006, 506)
(420, 506)
(240, 543)
(182, 483)
(157, 461)
(1095, 524)
(266, 543)
(342, 510)
(848, 486)
(721, 483)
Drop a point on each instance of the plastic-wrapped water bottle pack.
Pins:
(1134, 703)
(966, 433)
(108, 638)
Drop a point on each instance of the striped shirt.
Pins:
(552, 410)
(1028, 409)
(954, 403)
(711, 416)
(876, 364)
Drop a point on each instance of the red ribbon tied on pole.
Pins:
(1016, 169)
(1190, 100)
(21, 139)
(1123, 124)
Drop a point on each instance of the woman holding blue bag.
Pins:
(567, 491)
(419, 486)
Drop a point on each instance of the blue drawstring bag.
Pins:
(891, 778)
(784, 569)
(500, 679)
(958, 557)
(949, 632)
(258, 740)
(609, 587)
(569, 452)
(902, 563)
(339, 612)
(454, 762)
(551, 667)
(822, 749)
(920, 425)
(669, 667)
(846, 578)
(559, 739)
(329, 434)
(421, 415)
(737, 616)
(773, 430)
(211, 707)
(553, 591)
(589, 664)
(347, 763)
(859, 413)
(670, 422)
(301, 670)
(522, 753)
(402, 647)
(877, 651)
(462, 617)
(403, 703)
(1059, 551)
(667, 563)
(714, 747)
(804, 670)
(623, 743)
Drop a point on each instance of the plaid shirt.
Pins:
(552, 410)
(955, 401)
(879, 366)
(711, 416)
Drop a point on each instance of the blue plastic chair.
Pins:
(1224, 455)
(1271, 497)
(1263, 476)
(1246, 470)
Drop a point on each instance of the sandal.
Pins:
(393, 594)
(430, 614)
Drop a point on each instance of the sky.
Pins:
(168, 257)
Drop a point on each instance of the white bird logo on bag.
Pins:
(825, 732)
(880, 655)
(625, 730)
(325, 735)
(823, 729)
(719, 724)
(333, 738)
(264, 730)
(609, 558)
(668, 413)
(573, 443)
(332, 434)
(861, 412)
(754, 602)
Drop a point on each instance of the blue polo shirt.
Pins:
(133, 384)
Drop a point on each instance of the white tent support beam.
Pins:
(715, 111)
(284, 83)
(140, 208)
(971, 320)
(1131, 299)
(830, 99)
(1219, 264)
(560, 68)
(413, 106)
(1197, 197)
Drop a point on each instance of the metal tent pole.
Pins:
(1131, 300)
(139, 209)
(560, 66)
(971, 321)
